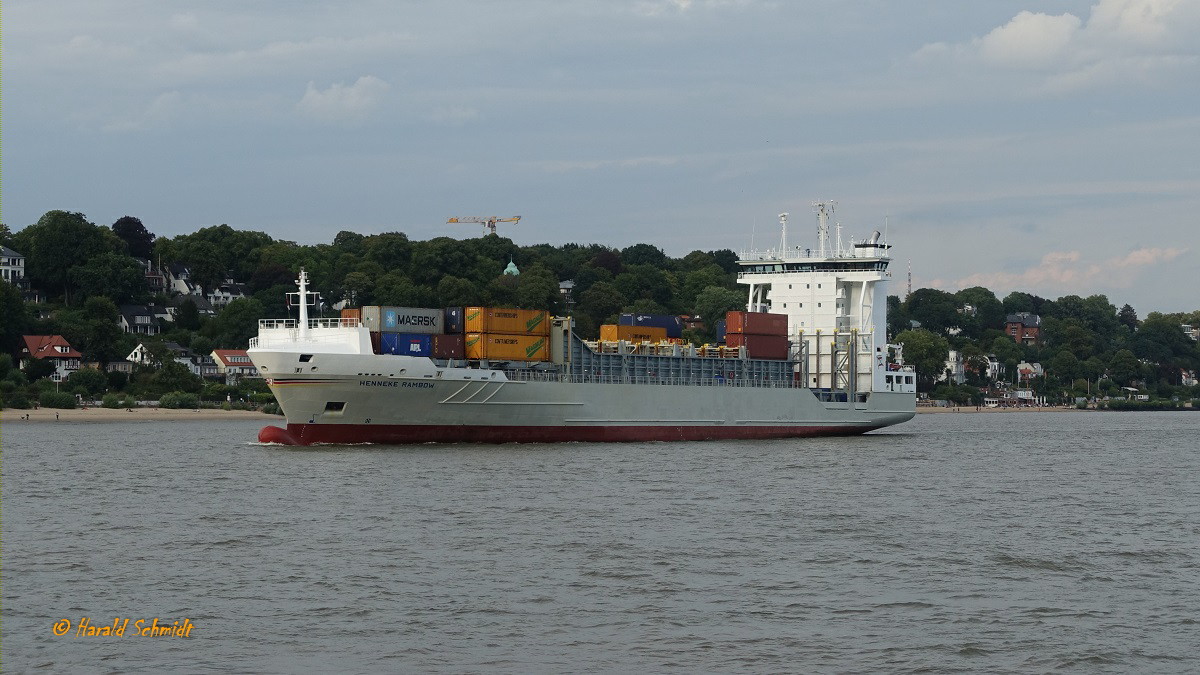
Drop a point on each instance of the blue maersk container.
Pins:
(406, 344)
(672, 323)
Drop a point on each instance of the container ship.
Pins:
(807, 357)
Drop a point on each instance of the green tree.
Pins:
(188, 315)
(59, 242)
(93, 330)
(236, 324)
(927, 352)
(1128, 317)
(112, 275)
(91, 379)
(14, 318)
(713, 303)
(138, 240)
(602, 302)
(643, 254)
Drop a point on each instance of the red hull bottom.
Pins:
(400, 434)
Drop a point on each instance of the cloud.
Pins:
(1119, 42)
(343, 103)
(1070, 271)
(1029, 40)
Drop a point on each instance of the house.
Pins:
(52, 347)
(179, 280)
(201, 366)
(226, 293)
(234, 364)
(1191, 331)
(203, 308)
(12, 265)
(1029, 371)
(1024, 328)
(155, 279)
(955, 368)
(12, 270)
(141, 319)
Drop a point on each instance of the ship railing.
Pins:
(551, 376)
(336, 322)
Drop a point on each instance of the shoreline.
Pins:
(106, 415)
(972, 409)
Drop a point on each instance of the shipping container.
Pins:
(612, 333)
(448, 346)
(406, 344)
(506, 347)
(454, 320)
(507, 321)
(720, 329)
(352, 313)
(402, 319)
(376, 341)
(756, 323)
(673, 324)
(760, 346)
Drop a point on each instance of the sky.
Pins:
(1048, 146)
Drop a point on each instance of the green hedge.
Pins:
(57, 399)
(178, 399)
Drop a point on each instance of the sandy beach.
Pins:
(973, 409)
(14, 416)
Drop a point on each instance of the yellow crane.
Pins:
(489, 223)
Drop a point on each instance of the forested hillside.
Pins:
(86, 270)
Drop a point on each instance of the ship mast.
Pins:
(783, 237)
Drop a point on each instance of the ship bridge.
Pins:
(835, 299)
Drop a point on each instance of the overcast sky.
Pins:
(1046, 146)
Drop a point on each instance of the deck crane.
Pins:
(489, 223)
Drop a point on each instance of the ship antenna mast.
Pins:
(783, 235)
(823, 209)
(303, 283)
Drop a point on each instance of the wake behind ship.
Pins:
(808, 357)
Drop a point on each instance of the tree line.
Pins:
(87, 270)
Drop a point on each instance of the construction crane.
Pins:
(489, 223)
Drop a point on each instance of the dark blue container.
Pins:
(406, 344)
(721, 331)
(389, 343)
(672, 323)
(454, 320)
(414, 344)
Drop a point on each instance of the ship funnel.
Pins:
(874, 240)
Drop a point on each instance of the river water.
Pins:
(997, 542)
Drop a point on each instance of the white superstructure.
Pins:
(835, 299)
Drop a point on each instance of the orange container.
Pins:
(354, 313)
(507, 321)
(506, 347)
(611, 333)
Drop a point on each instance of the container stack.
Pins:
(407, 331)
(613, 333)
(763, 335)
(501, 334)
(668, 322)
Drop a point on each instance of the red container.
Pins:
(760, 346)
(756, 323)
(448, 346)
(375, 343)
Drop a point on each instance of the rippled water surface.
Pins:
(957, 541)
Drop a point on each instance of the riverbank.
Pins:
(95, 414)
(973, 409)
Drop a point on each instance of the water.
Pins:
(1004, 542)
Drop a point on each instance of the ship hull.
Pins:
(321, 409)
(403, 434)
